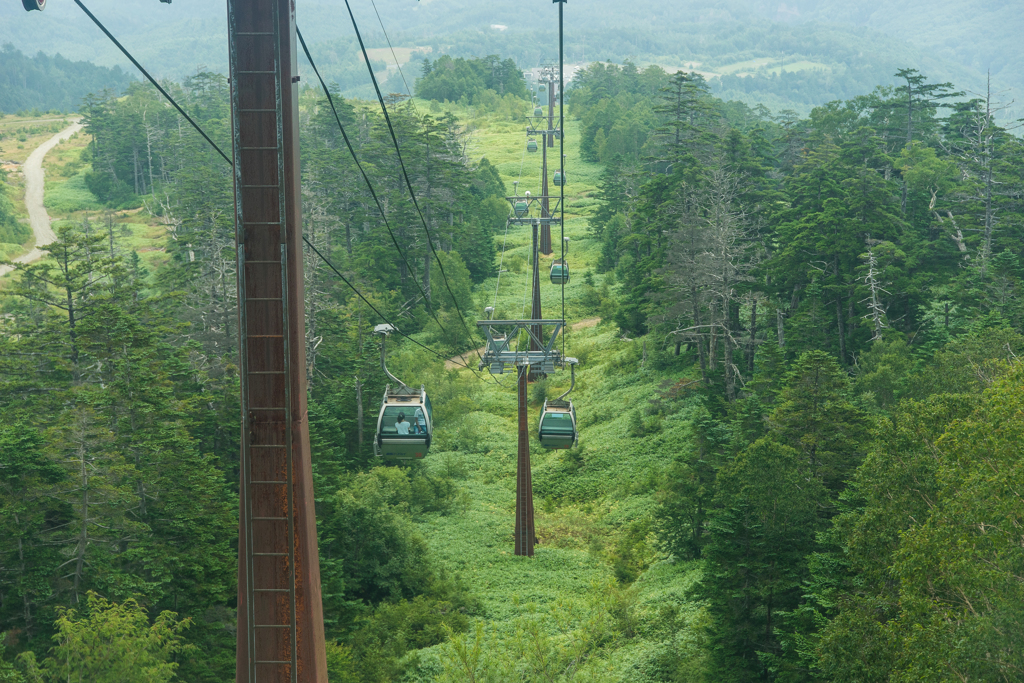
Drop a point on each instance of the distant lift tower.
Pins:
(534, 358)
(548, 77)
(280, 615)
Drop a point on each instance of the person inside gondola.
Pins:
(401, 425)
(419, 423)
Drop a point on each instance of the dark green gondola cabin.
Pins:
(557, 425)
(559, 273)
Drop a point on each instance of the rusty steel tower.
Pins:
(280, 614)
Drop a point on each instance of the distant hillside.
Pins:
(47, 83)
(839, 48)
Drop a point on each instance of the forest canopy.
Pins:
(452, 79)
(799, 390)
(47, 83)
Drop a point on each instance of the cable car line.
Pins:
(405, 174)
(369, 185)
(228, 159)
(400, 72)
(382, 316)
(380, 208)
(152, 80)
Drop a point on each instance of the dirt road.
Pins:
(34, 184)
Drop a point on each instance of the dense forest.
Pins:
(453, 79)
(800, 458)
(47, 83)
(848, 287)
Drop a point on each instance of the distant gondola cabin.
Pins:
(559, 273)
(522, 208)
(538, 112)
(559, 178)
(531, 145)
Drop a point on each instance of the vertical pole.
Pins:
(524, 536)
(561, 148)
(535, 313)
(551, 110)
(549, 141)
(280, 617)
(545, 207)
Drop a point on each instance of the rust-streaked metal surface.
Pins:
(535, 313)
(280, 615)
(545, 206)
(525, 535)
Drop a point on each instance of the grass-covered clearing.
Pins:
(597, 599)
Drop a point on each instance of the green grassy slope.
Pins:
(575, 600)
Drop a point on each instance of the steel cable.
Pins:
(405, 174)
(228, 159)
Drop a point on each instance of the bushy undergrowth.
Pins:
(71, 195)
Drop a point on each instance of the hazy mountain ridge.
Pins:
(837, 38)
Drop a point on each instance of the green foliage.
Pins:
(757, 552)
(108, 642)
(12, 231)
(813, 416)
(452, 80)
(930, 537)
(52, 82)
(388, 561)
(76, 194)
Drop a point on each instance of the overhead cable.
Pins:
(369, 185)
(151, 79)
(228, 159)
(405, 174)
(374, 309)
(400, 73)
(561, 152)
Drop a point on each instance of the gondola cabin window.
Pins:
(558, 424)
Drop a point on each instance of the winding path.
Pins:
(34, 184)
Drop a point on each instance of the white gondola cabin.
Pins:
(404, 424)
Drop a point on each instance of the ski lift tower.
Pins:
(280, 613)
(545, 126)
(500, 356)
